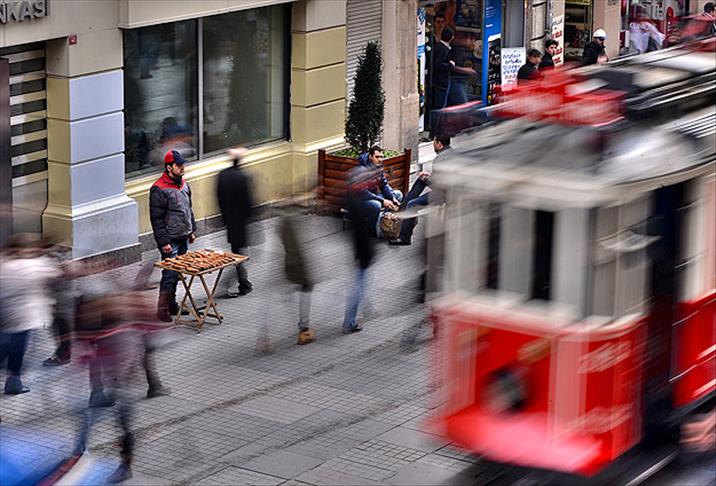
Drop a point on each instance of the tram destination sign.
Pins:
(22, 10)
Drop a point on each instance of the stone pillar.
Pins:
(537, 24)
(608, 16)
(87, 207)
(318, 87)
(400, 76)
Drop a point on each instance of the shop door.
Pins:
(364, 19)
(28, 135)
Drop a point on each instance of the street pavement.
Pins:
(346, 409)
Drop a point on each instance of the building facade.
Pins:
(95, 91)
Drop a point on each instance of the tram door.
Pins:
(664, 223)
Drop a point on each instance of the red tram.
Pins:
(578, 306)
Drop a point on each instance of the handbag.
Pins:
(390, 224)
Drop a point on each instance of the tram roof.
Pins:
(660, 142)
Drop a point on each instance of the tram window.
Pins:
(493, 246)
(542, 260)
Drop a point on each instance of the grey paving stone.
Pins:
(326, 446)
(284, 464)
(421, 474)
(343, 472)
(232, 475)
(276, 409)
(413, 438)
(364, 430)
(382, 454)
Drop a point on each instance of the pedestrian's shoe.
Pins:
(398, 242)
(232, 293)
(55, 360)
(99, 400)
(163, 315)
(14, 386)
(246, 290)
(174, 308)
(350, 330)
(306, 336)
(158, 391)
(122, 473)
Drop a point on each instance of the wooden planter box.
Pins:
(333, 174)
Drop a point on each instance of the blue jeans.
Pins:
(457, 94)
(355, 297)
(168, 283)
(415, 198)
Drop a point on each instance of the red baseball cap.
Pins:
(173, 157)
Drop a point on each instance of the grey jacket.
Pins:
(170, 210)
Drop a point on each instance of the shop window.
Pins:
(201, 86)
(542, 255)
(160, 94)
(244, 78)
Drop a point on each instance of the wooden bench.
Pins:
(333, 174)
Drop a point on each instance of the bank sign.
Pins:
(22, 10)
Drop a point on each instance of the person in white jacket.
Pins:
(644, 36)
(25, 302)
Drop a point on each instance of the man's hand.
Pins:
(167, 248)
(423, 175)
(192, 238)
(387, 204)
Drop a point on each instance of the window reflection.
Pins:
(160, 94)
(244, 78)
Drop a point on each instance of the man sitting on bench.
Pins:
(418, 196)
(384, 196)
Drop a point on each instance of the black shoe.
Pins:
(174, 308)
(351, 330)
(163, 315)
(399, 242)
(55, 360)
(245, 290)
(122, 473)
(99, 400)
(13, 386)
(158, 391)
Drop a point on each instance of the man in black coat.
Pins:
(594, 51)
(236, 203)
(528, 71)
(550, 49)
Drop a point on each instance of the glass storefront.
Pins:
(233, 65)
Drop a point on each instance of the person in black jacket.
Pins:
(236, 204)
(528, 71)
(363, 240)
(550, 49)
(594, 51)
(173, 223)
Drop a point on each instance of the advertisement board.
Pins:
(491, 49)
(421, 68)
(557, 33)
(512, 58)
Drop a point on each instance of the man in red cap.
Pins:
(173, 224)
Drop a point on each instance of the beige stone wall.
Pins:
(66, 17)
(608, 17)
(316, 119)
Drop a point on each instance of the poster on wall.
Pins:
(491, 48)
(467, 15)
(512, 59)
(557, 33)
(421, 68)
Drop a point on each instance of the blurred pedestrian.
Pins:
(173, 224)
(236, 203)
(595, 50)
(550, 49)
(709, 14)
(361, 211)
(65, 296)
(643, 34)
(108, 320)
(296, 266)
(529, 71)
(25, 276)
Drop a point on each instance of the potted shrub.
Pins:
(363, 128)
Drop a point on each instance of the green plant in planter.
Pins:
(364, 124)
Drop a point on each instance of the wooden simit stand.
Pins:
(200, 264)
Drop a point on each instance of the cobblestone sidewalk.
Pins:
(347, 409)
